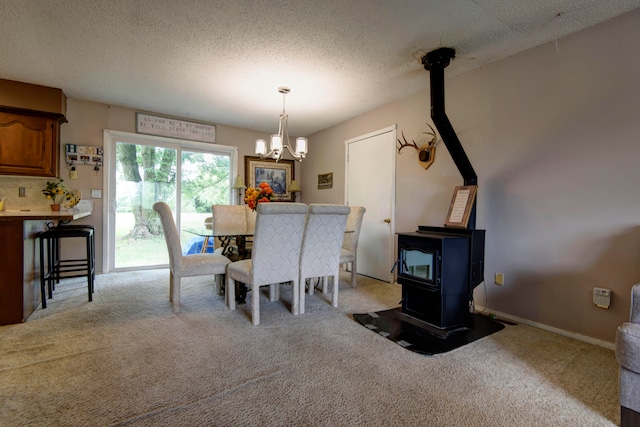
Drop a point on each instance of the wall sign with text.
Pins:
(174, 128)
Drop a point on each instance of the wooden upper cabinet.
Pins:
(29, 142)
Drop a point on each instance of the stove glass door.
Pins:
(417, 263)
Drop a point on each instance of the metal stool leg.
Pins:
(43, 295)
(89, 267)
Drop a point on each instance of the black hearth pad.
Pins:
(420, 340)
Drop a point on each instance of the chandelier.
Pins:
(280, 141)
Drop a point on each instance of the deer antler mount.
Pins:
(426, 151)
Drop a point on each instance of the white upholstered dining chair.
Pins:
(349, 251)
(232, 219)
(275, 257)
(229, 220)
(186, 265)
(321, 242)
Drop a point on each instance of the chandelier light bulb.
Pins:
(261, 147)
(276, 143)
(301, 145)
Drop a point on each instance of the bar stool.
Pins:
(57, 268)
(55, 248)
(93, 242)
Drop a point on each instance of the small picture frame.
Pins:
(325, 180)
(461, 205)
(277, 174)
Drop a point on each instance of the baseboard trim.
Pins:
(579, 337)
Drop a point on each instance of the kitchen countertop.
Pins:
(32, 214)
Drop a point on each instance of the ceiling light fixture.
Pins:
(277, 143)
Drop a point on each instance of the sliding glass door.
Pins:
(205, 180)
(142, 170)
(144, 174)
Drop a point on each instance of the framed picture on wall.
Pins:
(277, 174)
(461, 205)
(325, 180)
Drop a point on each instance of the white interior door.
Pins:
(370, 182)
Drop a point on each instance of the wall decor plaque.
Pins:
(174, 128)
(325, 180)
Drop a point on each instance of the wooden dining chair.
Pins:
(275, 258)
(321, 244)
(349, 252)
(186, 265)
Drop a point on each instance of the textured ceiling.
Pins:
(221, 61)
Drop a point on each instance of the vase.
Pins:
(55, 208)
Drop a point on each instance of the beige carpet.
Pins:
(126, 360)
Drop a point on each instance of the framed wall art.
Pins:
(277, 174)
(325, 180)
(461, 205)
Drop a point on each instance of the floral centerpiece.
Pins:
(261, 194)
(55, 191)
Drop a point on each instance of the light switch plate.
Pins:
(96, 194)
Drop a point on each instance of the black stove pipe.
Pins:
(435, 62)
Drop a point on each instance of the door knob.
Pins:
(387, 220)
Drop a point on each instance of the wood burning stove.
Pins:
(440, 266)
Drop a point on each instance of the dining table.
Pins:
(241, 240)
(226, 239)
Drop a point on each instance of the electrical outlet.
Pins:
(22, 192)
(499, 279)
(96, 194)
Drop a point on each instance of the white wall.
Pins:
(552, 134)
